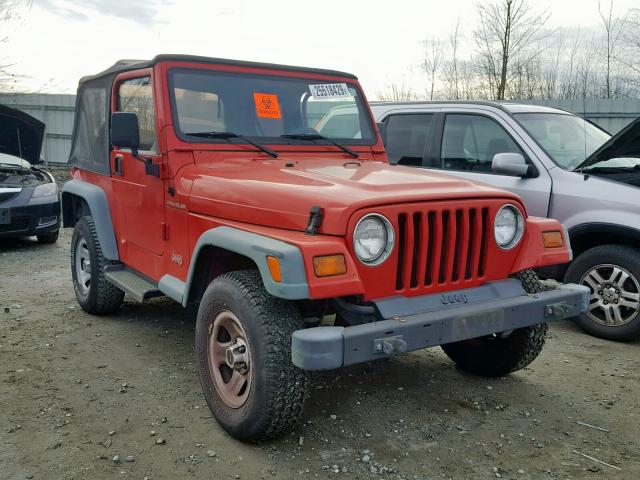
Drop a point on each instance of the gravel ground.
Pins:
(84, 397)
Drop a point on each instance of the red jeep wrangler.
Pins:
(222, 184)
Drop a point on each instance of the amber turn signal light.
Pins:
(274, 268)
(552, 239)
(329, 266)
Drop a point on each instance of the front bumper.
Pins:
(29, 220)
(410, 324)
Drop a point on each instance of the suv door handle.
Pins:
(117, 165)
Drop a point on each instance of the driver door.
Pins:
(468, 143)
(139, 193)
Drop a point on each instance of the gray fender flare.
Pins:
(99, 206)
(293, 286)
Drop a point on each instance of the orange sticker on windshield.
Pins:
(266, 105)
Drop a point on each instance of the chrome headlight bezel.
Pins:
(390, 240)
(519, 230)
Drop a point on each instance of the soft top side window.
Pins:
(136, 96)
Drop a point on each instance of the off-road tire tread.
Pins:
(631, 256)
(525, 344)
(108, 297)
(287, 387)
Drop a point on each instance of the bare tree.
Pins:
(629, 55)
(397, 93)
(452, 71)
(613, 27)
(506, 30)
(10, 11)
(431, 64)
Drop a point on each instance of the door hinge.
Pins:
(165, 231)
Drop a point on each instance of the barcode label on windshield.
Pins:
(330, 90)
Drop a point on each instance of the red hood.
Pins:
(266, 192)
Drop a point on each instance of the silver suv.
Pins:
(562, 166)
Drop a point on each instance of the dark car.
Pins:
(29, 201)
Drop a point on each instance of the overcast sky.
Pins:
(58, 41)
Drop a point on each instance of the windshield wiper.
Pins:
(228, 135)
(317, 136)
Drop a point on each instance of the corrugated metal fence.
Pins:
(57, 111)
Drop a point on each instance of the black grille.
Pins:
(18, 224)
(4, 196)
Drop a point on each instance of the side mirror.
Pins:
(513, 164)
(125, 130)
(382, 128)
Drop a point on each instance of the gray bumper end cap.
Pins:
(319, 348)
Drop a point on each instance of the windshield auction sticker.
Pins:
(266, 105)
(330, 90)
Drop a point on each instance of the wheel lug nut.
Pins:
(599, 292)
(242, 349)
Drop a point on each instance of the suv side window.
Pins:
(136, 96)
(407, 135)
(469, 142)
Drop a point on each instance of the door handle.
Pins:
(117, 165)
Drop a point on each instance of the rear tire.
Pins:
(501, 354)
(95, 294)
(618, 266)
(243, 343)
(51, 237)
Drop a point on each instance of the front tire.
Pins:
(612, 273)
(500, 354)
(95, 294)
(243, 343)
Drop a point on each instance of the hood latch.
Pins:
(315, 220)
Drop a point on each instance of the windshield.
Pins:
(567, 139)
(264, 108)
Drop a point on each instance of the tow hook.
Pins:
(558, 310)
(389, 345)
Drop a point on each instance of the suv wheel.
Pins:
(506, 352)
(243, 343)
(612, 273)
(51, 237)
(94, 292)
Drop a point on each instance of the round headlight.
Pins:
(373, 239)
(508, 227)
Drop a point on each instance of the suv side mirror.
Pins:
(125, 130)
(510, 164)
(382, 128)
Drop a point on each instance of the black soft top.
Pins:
(127, 65)
(90, 147)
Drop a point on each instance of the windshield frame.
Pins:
(359, 103)
(516, 115)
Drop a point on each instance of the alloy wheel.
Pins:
(615, 295)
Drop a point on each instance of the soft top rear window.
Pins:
(264, 107)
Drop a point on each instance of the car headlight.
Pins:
(508, 227)
(45, 190)
(373, 239)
